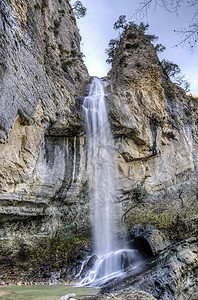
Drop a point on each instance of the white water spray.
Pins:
(109, 261)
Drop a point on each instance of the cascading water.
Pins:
(109, 261)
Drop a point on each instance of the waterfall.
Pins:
(99, 139)
(108, 260)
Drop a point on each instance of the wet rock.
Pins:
(47, 275)
(151, 242)
(88, 265)
(70, 296)
(125, 260)
(172, 275)
(127, 294)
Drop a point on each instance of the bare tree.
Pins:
(187, 35)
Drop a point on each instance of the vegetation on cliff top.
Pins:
(171, 69)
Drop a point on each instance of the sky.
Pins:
(96, 29)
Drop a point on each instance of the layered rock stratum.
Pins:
(42, 75)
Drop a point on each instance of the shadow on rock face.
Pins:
(151, 242)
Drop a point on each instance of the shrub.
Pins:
(43, 5)
(132, 46)
(61, 49)
(37, 6)
(73, 52)
(131, 35)
(56, 23)
(168, 89)
(111, 50)
(55, 31)
(78, 77)
(138, 65)
(61, 11)
(187, 112)
(160, 48)
(64, 66)
(79, 10)
(122, 58)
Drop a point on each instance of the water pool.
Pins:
(44, 292)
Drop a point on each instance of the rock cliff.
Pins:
(42, 76)
(156, 138)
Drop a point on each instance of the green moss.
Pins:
(178, 224)
(56, 251)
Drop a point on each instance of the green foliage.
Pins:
(120, 23)
(111, 50)
(43, 5)
(37, 6)
(152, 37)
(79, 10)
(56, 23)
(187, 112)
(179, 225)
(132, 46)
(78, 77)
(55, 31)
(61, 11)
(171, 68)
(64, 66)
(122, 58)
(61, 49)
(53, 47)
(56, 251)
(131, 35)
(73, 52)
(168, 89)
(160, 48)
(69, 62)
(138, 65)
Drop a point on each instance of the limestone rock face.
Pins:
(156, 137)
(41, 78)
